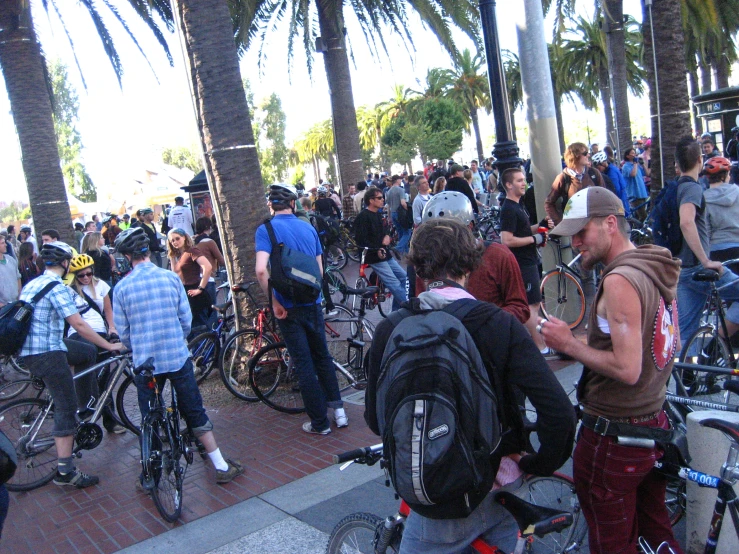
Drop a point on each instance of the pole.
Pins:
(656, 93)
(505, 150)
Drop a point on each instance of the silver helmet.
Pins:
(449, 204)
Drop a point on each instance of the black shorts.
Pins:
(532, 283)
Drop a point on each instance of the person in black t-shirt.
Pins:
(522, 238)
(457, 183)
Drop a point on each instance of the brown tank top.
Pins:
(603, 396)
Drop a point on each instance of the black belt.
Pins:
(609, 428)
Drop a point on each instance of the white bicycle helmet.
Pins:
(599, 158)
(282, 193)
(449, 204)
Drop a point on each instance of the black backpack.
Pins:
(665, 218)
(405, 216)
(437, 413)
(15, 321)
(328, 229)
(294, 274)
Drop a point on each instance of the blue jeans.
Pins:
(691, 297)
(404, 235)
(189, 401)
(450, 536)
(394, 278)
(305, 337)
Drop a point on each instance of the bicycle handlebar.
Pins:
(360, 455)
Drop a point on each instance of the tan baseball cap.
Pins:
(584, 205)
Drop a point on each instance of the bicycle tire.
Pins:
(335, 256)
(676, 499)
(162, 467)
(234, 366)
(384, 301)
(17, 365)
(206, 353)
(13, 389)
(273, 381)
(337, 332)
(356, 533)
(557, 492)
(362, 283)
(36, 465)
(127, 404)
(554, 300)
(335, 280)
(706, 347)
(353, 251)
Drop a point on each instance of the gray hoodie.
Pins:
(722, 209)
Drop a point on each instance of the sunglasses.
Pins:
(82, 275)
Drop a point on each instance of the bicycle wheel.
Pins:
(12, 389)
(557, 492)
(562, 297)
(339, 328)
(274, 380)
(234, 366)
(352, 250)
(356, 534)
(675, 499)
(335, 280)
(162, 467)
(384, 301)
(206, 353)
(706, 347)
(37, 458)
(361, 283)
(127, 403)
(335, 256)
(17, 364)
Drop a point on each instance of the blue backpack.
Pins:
(665, 218)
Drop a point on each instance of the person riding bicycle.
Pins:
(444, 251)
(325, 206)
(152, 315)
(627, 361)
(48, 355)
(301, 324)
(370, 233)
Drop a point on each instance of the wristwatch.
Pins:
(201, 288)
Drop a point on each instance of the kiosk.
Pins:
(719, 110)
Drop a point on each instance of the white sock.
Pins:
(339, 412)
(545, 350)
(218, 461)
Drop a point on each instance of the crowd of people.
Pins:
(633, 327)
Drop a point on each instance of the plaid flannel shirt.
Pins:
(152, 317)
(47, 325)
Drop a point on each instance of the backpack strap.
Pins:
(270, 232)
(93, 305)
(44, 291)
(460, 308)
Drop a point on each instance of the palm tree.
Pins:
(24, 70)
(256, 19)
(317, 145)
(584, 54)
(563, 85)
(514, 85)
(225, 128)
(673, 89)
(467, 84)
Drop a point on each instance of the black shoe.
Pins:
(76, 479)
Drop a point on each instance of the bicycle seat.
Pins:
(533, 519)
(366, 292)
(708, 275)
(147, 368)
(242, 287)
(221, 308)
(728, 427)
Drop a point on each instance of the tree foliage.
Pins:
(183, 157)
(69, 141)
(273, 153)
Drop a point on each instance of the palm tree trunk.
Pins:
(478, 138)
(605, 95)
(722, 70)
(226, 133)
(511, 110)
(673, 87)
(614, 13)
(705, 71)
(23, 68)
(560, 124)
(693, 91)
(346, 132)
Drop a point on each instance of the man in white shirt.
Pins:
(10, 278)
(180, 217)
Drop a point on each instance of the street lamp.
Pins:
(505, 150)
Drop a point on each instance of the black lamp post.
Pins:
(505, 150)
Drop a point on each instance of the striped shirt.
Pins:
(152, 316)
(47, 325)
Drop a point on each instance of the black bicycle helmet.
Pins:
(132, 241)
(282, 193)
(54, 253)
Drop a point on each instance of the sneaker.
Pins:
(308, 428)
(550, 354)
(76, 479)
(342, 420)
(115, 428)
(234, 470)
(332, 313)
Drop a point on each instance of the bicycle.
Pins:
(383, 298)
(545, 508)
(272, 374)
(28, 423)
(708, 345)
(347, 241)
(163, 446)
(562, 295)
(487, 225)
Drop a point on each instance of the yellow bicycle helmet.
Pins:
(79, 262)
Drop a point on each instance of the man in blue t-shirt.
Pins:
(301, 325)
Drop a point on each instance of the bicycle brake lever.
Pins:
(345, 465)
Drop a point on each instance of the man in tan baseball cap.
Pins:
(632, 338)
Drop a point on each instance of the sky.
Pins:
(125, 128)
